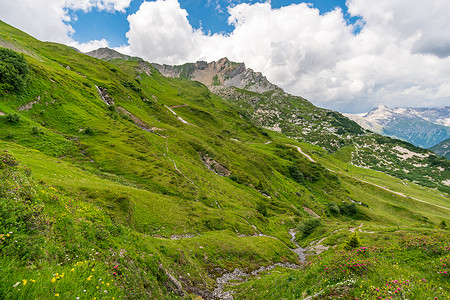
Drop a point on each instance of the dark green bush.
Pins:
(262, 209)
(13, 71)
(36, 130)
(334, 209)
(348, 209)
(88, 131)
(296, 174)
(12, 118)
(308, 226)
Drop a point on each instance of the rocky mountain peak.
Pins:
(220, 74)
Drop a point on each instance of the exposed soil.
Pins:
(29, 105)
(105, 96)
(214, 166)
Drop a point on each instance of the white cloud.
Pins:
(400, 57)
(89, 46)
(47, 19)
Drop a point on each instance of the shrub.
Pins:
(13, 71)
(308, 226)
(36, 130)
(88, 131)
(12, 118)
(348, 209)
(234, 178)
(7, 160)
(334, 209)
(9, 135)
(296, 174)
(353, 242)
(262, 209)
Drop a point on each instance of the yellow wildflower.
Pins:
(53, 279)
(24, 281)
(73, 269)
(56, 295)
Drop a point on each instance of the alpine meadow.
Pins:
(123, 179)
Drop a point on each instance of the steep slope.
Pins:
(120, 182)
(442, 149)
(272, 108)
(423, 127)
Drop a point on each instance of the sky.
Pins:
(348, 56)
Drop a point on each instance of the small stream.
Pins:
(240, 276)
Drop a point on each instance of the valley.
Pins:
(118, 182)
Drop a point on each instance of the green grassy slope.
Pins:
(131, 191)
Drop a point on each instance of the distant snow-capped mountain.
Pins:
(423, 127)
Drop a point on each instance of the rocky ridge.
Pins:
(220, 73)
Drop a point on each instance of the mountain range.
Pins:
(123, 179)
(423, 127)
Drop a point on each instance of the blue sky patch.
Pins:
(211, 16)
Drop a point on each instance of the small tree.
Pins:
(353, 242)
(13, 71)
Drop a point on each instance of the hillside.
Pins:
(119, 182)
(442, 149)
(270, 107)
(423, 127)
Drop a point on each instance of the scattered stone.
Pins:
(29, 105)
(214, 166)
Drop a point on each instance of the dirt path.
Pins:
(178, 117)
(400, 194)
(303, 153)
(311, 212)
(357, 227)
(391, 191)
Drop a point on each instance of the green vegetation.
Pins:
(93, 205)
(13, 71)
(308, 226)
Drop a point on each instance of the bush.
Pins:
(296, 174)
(13, 118)
(308, 226)
(36, 130)
(262, 209)
(7, 160)
(10, 135)
(348, 209)
(88, 131)
(334, 209)
(353, 242)
(13, 71)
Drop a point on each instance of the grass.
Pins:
(92, 190)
